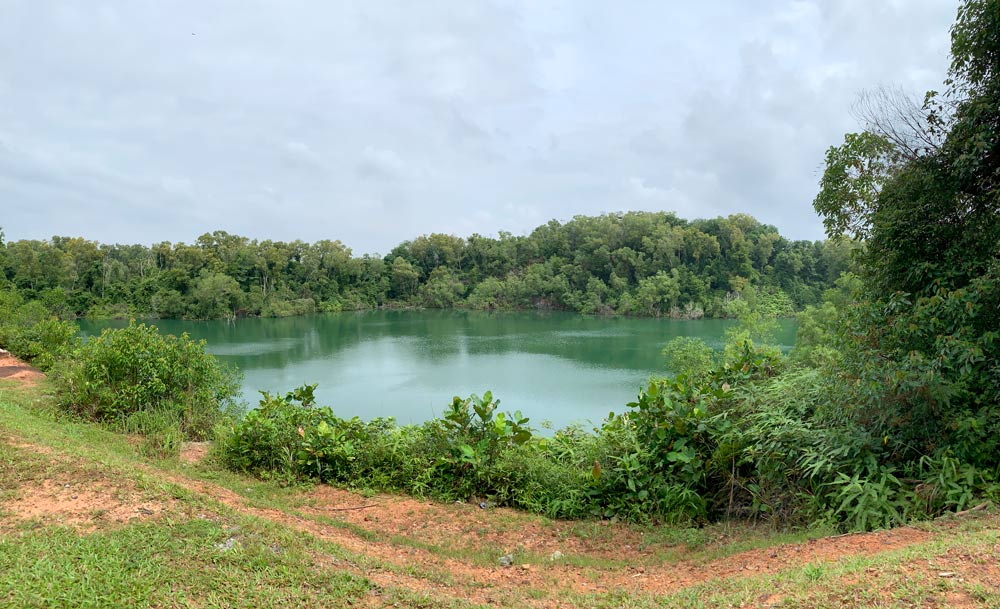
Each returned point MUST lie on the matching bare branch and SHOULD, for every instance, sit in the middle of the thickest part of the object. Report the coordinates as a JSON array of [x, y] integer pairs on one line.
[[913, 129]]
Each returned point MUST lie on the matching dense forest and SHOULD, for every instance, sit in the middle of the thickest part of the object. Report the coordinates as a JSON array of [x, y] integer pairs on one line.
[[635, 263]]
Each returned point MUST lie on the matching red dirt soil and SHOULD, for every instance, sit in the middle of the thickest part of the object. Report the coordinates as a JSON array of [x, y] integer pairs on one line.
[[85, 506], [14, 369]]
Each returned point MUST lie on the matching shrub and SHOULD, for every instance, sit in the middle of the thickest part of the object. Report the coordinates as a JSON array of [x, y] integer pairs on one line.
[[290, 437], [689, 355], [32, 333], [136, 369], [551, 477], [454, 457], [289, 308], [477, 436]]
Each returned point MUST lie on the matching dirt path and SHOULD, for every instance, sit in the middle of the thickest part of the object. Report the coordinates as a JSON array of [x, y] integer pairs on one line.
[[14, 369], [439, 526]]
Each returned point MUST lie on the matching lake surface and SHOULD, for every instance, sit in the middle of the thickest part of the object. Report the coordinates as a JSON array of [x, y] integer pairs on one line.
[[558, 367]]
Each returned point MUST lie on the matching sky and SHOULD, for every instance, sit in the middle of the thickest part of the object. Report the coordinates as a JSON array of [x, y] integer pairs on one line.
[[373, 122]]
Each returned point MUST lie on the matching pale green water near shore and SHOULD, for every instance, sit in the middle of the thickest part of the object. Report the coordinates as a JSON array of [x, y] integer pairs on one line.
[[559, 367]]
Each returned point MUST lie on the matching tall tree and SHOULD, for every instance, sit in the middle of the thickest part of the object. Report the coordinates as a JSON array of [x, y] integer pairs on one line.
[[928, 339]]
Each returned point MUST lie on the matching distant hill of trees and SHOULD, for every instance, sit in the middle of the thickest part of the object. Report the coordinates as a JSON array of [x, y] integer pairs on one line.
[[634, 263]]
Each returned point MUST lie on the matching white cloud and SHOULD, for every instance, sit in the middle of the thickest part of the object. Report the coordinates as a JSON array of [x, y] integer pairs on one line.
[[639, 189], [383, 164], [299, 155], [177, 186]]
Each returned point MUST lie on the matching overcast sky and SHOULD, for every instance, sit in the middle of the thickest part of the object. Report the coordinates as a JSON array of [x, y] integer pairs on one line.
[[139, 121]]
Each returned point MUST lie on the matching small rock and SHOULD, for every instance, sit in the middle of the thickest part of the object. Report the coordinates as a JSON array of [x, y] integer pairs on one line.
[[227, 545], [557, 555], [506, 560]]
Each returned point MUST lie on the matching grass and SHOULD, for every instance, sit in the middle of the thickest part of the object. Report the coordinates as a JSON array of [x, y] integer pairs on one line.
[[265, 545], [906, 578], [178, 560], [181, 560], [168, 564]]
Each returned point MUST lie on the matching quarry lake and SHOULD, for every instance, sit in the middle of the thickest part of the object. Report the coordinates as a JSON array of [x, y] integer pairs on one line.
[[558, 367]]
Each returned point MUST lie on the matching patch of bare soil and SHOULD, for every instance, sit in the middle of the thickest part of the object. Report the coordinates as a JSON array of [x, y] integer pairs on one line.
[[193, 452], [14, 369], [462, 526], [85, 505], [465, 525], [961, 578], [978, 567], [35, 448]]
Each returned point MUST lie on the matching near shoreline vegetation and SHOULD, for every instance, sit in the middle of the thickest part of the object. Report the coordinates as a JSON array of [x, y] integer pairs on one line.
[[887, 410]]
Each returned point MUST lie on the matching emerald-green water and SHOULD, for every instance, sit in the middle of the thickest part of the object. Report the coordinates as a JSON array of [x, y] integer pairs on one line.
[[558, 367]]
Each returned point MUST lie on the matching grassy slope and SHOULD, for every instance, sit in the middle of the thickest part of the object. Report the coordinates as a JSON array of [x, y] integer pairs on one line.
[[169, 534]]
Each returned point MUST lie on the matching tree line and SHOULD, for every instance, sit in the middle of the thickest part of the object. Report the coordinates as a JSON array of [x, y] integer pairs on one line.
[[634, 263]]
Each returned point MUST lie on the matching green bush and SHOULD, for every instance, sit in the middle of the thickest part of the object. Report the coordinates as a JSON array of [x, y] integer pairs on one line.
[[289, 308], [453, 457], [688, 355], [477, 436], [32, 333], [136, 369], [551, 477], [289, 437], [647, 465]]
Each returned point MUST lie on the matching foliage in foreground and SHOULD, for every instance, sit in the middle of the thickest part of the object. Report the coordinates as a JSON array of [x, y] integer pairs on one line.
[[206, 554], [145, 382], [752, 438], [31, 332]]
